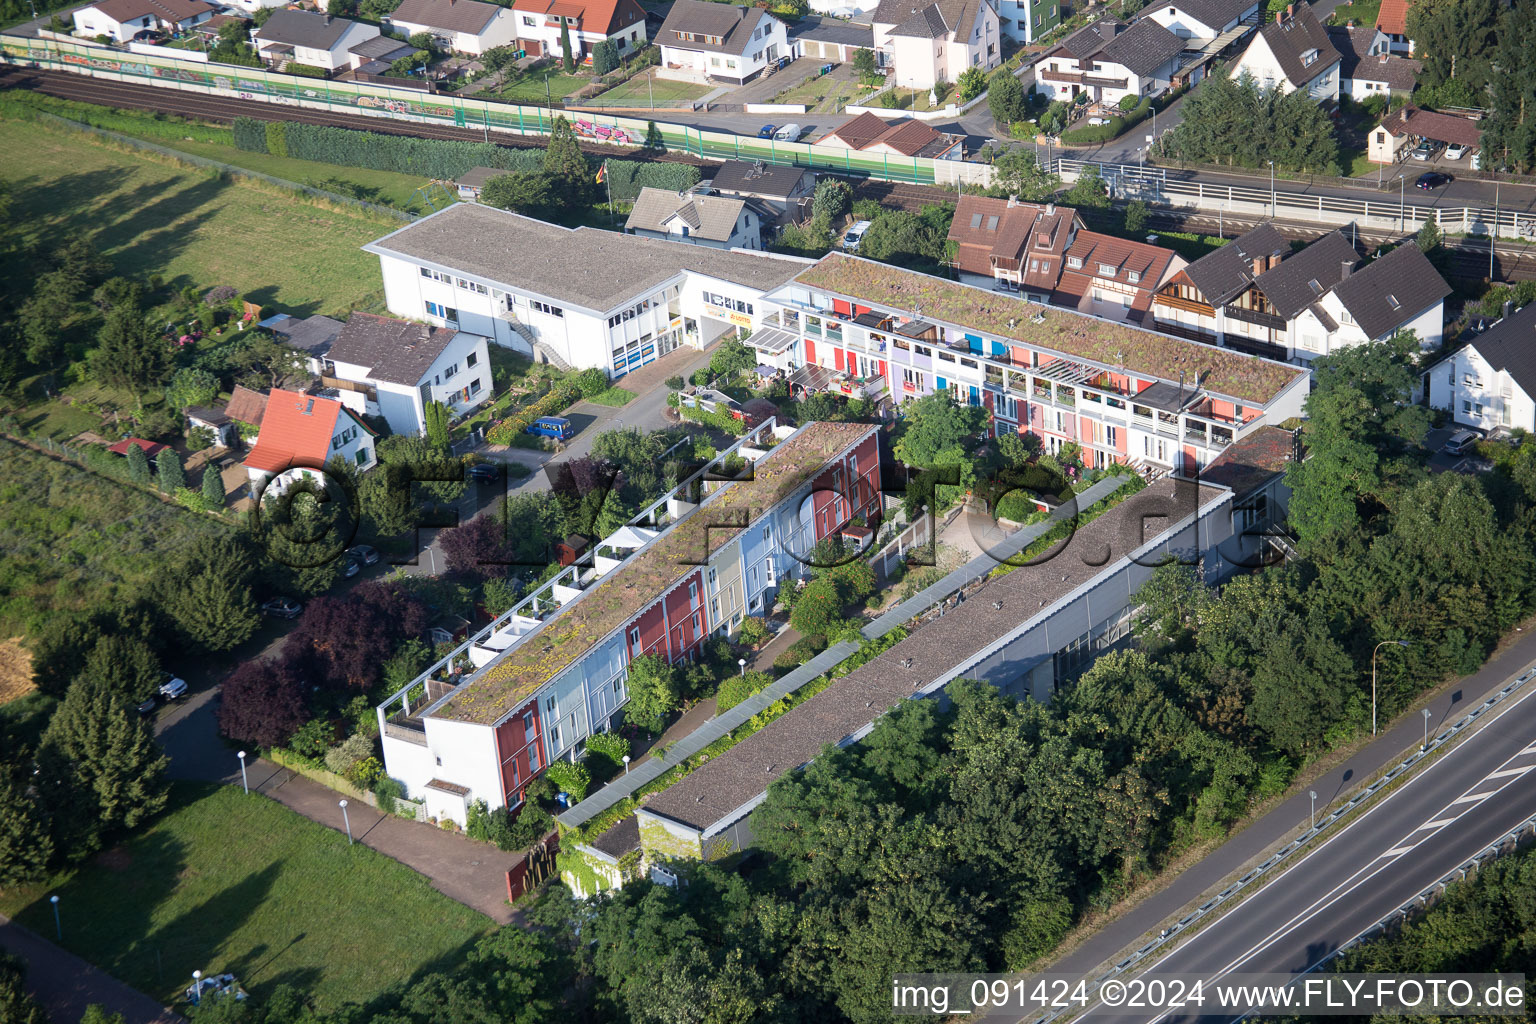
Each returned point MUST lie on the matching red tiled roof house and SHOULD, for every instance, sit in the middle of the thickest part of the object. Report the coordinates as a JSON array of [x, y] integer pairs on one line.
[[301, 433]]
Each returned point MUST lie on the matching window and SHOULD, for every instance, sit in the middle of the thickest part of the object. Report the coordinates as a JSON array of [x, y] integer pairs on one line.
[[922, 350], [1466, 406], [1075, 262], [1105, 270], [471, 359], [693, 593], [1112, 436], [364, 457], [447, 313], [452, 369], [527, 724], [474, 386], [1133, 276], [634, 638], [550, 705], [533, 759], [529, 22], [544, 307]]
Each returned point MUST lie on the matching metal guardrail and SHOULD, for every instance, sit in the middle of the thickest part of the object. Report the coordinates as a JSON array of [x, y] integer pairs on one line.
[[1277, 858]]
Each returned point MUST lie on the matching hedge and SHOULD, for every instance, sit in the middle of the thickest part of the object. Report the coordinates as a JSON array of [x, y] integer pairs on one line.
[[437, 158], [1095, 134], [559, 396]]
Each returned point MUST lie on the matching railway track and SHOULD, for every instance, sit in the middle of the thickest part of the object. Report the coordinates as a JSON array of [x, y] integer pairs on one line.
[[129, 95], [1467, 261]]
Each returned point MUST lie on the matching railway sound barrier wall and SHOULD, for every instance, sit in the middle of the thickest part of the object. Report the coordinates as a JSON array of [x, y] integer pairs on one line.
[[471, 112]]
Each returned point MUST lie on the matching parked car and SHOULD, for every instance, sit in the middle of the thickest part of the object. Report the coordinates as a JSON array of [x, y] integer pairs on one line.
[[352, 568], [789, 133], [766, 131], [282, 608], [1096, 120], [172, 687], [1433, 180], [855, 235], [1461, 442], [148, 707], [557, 427], [1424, 150], [364, 553], [1455, 151], [485, 472]]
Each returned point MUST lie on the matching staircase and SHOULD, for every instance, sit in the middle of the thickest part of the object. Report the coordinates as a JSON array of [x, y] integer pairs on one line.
[[548, 355]]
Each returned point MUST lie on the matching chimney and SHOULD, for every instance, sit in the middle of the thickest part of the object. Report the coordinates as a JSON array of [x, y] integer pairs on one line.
[[1050, 209], [1279, 17], [1509, 307], [1274, 261], [1290, 10], [327, 19], [1013, 200], [1258, 265]]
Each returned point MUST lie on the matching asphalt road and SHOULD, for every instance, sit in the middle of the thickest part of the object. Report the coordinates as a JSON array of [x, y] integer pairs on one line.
[[1444, 815]]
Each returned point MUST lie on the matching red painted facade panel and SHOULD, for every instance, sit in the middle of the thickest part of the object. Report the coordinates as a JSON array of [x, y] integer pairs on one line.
[[686, 624], [842, 306], [652, 628], [837, 358], [516, 744], [810, 352]]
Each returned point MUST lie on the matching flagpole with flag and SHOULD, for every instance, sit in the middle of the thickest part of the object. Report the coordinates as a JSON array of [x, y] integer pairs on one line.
[[602, 179]]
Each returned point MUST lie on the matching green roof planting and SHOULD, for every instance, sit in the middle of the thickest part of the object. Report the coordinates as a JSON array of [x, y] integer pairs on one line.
[[1228, 373], [505, 684]]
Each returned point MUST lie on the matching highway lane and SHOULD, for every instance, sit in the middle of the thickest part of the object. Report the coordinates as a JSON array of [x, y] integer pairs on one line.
[[1445, 814]]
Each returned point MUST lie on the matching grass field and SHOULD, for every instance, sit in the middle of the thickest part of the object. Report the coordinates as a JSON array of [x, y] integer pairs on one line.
[[71, 537], [614, 397], [641, 90], [1361, 12], [228, 882], [189, 227], [827, 94], [530, 87]]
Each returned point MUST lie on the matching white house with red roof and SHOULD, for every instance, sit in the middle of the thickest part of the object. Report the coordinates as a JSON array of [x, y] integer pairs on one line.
[[588, 23], [301, 433], [123, 19]]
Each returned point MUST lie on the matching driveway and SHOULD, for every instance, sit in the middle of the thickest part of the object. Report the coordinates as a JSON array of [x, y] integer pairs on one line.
[[763, 90]]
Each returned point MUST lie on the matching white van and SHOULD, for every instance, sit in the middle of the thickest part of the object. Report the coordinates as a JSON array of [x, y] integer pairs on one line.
[[789, 133], [854, 236]]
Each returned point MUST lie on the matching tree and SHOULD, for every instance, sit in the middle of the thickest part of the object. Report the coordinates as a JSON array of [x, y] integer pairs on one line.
[[731, 358], [478, 548], [605, 57], [565, 46], [1088, 191], [129, 353], [934, 423], [1232, 121], [915, 240], [972, 83], [864, 61], [436, 415], [1019, 173], [262, 362], [262, 703], [1005, 98], [831, 199], [125, 666], [1509, 133], [533, 193], [16, 1005], [338, 639], [653, 691], [818, 609], [567, 165], [207, 589], [1429, 236], [26, 847], [138, 464], [96, 1013], [191, 386], [423, 41], [115, 764], [1135, 217], [1457, 40], [168, 472], [653, 139], [213, 488]]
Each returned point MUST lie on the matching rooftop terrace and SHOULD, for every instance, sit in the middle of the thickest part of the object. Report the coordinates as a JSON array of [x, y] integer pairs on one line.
[[505, 684], [1247, 378]]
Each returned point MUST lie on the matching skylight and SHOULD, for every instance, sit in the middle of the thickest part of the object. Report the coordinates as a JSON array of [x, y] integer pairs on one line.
[[1392, 301]]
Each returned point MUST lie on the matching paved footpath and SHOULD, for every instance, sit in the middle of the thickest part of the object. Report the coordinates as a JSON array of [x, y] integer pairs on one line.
[[65, 984]]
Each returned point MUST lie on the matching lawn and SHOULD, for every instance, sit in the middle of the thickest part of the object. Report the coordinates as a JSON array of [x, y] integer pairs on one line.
[[531, 87], [71, 537], [916, 99], [613, 396], [189, 227], [1361, 12], [825, 94], [228, 882], [642, 89]]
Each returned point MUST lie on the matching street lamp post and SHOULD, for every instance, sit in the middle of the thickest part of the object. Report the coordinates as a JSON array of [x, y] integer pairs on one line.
[[1400, 643], [742, 664], [1313, 794], [1426, 729], [244, 782], [1271, 190], [346, 821], [58, 926], [626, 764], [197, 988], [1402, 193], [1493, 233]]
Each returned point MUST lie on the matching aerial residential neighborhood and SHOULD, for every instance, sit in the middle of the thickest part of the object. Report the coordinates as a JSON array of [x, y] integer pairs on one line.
[[652, 511]]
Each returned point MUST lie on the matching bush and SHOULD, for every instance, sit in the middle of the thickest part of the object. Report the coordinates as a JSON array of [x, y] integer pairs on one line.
[[1128, 102], [754, 631], [313, 740], [608, 745], [386, 791], [591, 382], [675, 383], [571, 778], [344, 756], [507, 431], [799, 652], [531, 825], [366, 772], [1094, 134], [738, 688]]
